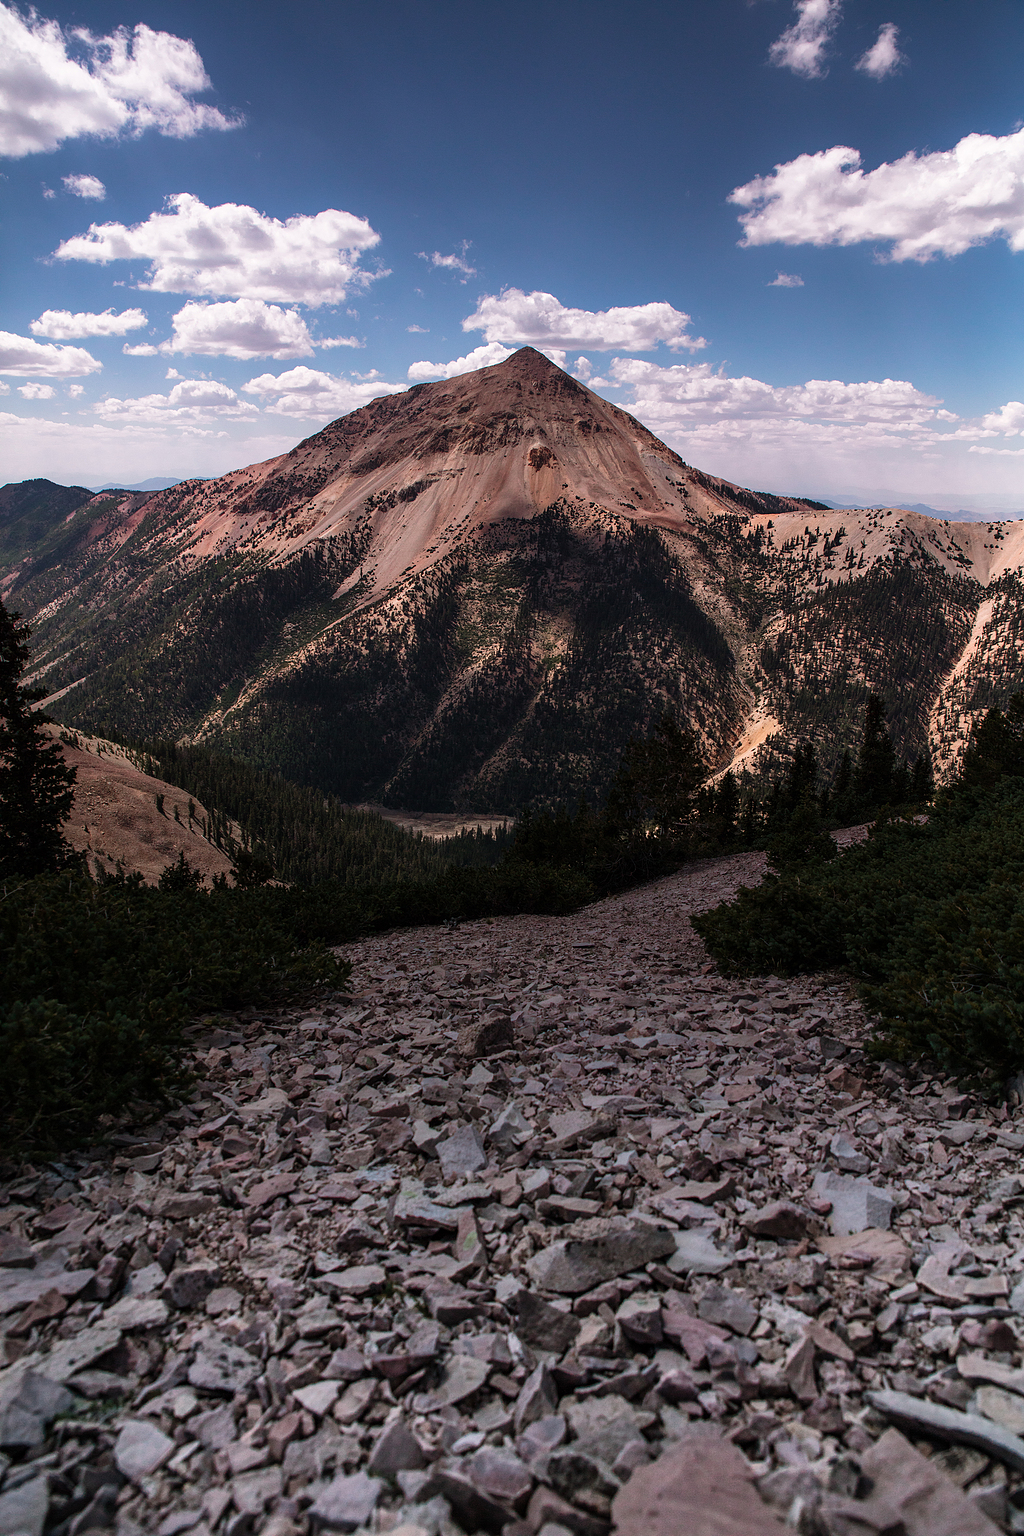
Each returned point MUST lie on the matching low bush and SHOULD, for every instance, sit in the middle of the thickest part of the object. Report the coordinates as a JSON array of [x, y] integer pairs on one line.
[[928, 916]]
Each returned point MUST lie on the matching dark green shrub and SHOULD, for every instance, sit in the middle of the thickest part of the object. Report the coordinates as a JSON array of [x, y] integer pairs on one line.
[[929, 917]]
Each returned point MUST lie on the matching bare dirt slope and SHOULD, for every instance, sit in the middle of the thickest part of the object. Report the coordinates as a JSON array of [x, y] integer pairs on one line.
[[116, 821], [369, 1280]]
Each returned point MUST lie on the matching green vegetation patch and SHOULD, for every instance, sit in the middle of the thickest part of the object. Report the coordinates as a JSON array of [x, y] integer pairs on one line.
[[928, 915]]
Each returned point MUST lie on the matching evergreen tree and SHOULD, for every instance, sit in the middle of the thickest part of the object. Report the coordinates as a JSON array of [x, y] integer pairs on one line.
[[996, 746], [802, 779], [727, 805], [656, 786], [36, 785], [922, 779], [876, 764]]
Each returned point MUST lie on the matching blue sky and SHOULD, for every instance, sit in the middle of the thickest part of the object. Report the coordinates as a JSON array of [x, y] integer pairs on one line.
[[783, 235]]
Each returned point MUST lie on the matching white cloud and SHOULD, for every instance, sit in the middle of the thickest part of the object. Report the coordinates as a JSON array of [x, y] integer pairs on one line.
[[925, 205], [36, 391], [786, 280], [339, 341], [29, 359], [192, 401], [234, 250], [56, 85], [240, 328], [480, 357], [695, 394], [451, 263], [418, 330], [884, 56], [88, 187], [307, 392], [1008, 419], [144, 349], [802, 46], [62, 325], [539, 320], [74, 390]]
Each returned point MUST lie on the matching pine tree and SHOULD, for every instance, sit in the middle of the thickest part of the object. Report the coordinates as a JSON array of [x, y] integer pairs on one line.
[[36, 785], [876, 763]]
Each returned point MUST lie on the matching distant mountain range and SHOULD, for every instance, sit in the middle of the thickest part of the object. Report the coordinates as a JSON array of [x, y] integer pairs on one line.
[[144, 485], [469, 595]]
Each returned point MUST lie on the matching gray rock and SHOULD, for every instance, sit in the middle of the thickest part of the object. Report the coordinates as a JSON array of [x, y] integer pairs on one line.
[[604, 1248], [462, 1377], [189, 1287], [847, 1156], [346, 1503], [603, 1426], [583, 1480], [639, 1317], [23, 1510], [135, 1313], [541, 1436], [415, 1209], [36, 1401], [140, 1449], [728, 1309], [510, 1129], [492, 1033], [397, 1450], [223, 1367], [462, 1152], [856, 1204], [544, 1325], [695, 1254], [214, 1429], [917, 1413], [500, 1474], [537, 1398]]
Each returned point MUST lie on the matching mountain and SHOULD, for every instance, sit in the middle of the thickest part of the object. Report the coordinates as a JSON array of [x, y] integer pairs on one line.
[[470, 594], [160, 483]]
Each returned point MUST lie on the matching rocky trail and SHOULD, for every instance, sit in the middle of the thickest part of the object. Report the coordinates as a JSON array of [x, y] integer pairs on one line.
[[546, 1228]]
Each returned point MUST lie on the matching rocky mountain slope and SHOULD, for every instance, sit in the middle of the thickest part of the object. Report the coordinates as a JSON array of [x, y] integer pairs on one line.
[[470, 594], [678, 1246]]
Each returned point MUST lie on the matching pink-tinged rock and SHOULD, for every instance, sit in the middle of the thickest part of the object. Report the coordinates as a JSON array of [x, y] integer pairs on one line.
[[780, 1219], [140, 1449], [798, 1369], [15, 1253], [701, 1487], [929, 1502], [271, 1189], [693, 1334]]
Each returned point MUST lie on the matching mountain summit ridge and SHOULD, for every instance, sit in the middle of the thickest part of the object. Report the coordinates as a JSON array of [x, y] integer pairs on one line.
[[468, 595]]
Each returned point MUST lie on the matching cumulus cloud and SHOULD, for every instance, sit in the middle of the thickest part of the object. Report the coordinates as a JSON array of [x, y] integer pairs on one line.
[[786, 280], [480, 357], [696, 394], [1008, 419], [36, 391], [29, 359], [307, 392], [234, 250], [62, 325], [240, 328], [540, 320], [451, 263], [57, 85], [940, 203], [418, 330], [802, 46], [339, 341], [191, 401], [884, 56], [88, 187], [144, 349]]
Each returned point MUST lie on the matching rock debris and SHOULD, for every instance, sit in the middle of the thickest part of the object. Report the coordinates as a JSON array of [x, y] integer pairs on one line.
[[546, 1228]]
